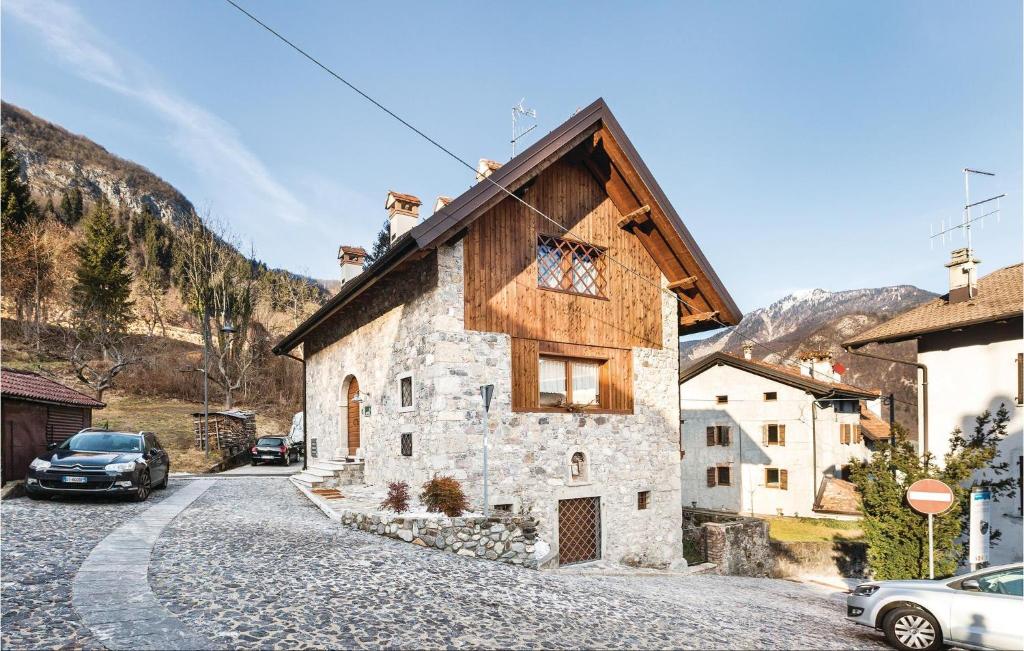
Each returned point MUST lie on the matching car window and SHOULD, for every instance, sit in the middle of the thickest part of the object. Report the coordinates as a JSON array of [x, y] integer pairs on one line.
[[103, 442], [1009, 582], [270, 442], [151, 442]]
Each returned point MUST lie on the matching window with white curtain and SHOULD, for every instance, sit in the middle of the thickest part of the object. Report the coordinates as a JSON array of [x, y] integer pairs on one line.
[[569, 382], [553, 391]]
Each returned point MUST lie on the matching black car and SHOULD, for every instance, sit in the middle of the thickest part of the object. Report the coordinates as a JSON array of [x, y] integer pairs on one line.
[[274, 448], [100, 462]]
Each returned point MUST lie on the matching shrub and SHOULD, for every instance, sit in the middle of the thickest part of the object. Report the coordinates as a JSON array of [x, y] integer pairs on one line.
[[444, 495], [398, 497]]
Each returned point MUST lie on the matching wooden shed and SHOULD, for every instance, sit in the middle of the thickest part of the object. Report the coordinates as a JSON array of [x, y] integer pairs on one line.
[[230, 431], [37, 411]]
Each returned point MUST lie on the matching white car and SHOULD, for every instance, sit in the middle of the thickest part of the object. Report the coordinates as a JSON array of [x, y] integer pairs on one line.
[[980, 610]]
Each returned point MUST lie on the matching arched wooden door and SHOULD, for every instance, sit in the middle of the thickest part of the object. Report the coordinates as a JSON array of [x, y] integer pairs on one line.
[[353, 417]]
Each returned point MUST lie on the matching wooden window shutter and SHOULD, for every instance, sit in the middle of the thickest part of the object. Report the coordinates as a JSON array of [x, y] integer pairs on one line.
[[843, 435], [712, 476], [782, 434], [1020, 378], [784, 479], [858, 435], [764, 434], [711, 437], [724, 435]]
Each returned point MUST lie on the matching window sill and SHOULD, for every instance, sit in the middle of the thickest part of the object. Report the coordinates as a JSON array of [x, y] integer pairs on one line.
[[572, 293], [563, 410], [406, 410]]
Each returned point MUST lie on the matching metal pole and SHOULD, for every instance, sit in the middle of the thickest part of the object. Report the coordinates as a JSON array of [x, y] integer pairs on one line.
[[206, 379], [486, 392], [931, 547]]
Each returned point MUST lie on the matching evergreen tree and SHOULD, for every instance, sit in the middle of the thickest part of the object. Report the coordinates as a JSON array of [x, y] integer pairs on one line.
[[71, 208], [15, 197], [380, 246], [897, 536], [103, 280]]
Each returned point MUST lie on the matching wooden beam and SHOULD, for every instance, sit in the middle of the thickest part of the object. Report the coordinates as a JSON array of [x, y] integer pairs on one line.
[[686, 283], [638, 216], [700, 317]]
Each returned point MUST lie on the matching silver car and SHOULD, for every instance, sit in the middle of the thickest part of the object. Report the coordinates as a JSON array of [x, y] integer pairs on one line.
[[980, 610]]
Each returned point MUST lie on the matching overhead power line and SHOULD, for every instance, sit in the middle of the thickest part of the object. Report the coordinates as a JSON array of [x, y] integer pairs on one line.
[[500, 187]]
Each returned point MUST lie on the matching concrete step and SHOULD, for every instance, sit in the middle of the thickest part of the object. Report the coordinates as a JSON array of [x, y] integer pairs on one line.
[[319, 472], [307, 480], [333, 464]]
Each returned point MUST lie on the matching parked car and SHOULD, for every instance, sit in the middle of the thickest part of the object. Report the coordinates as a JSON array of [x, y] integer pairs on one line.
[[274, 448], [96, 461], [980, 610]]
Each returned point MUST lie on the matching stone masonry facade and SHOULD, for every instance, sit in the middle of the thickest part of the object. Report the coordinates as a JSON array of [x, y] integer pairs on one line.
[[411, 324]]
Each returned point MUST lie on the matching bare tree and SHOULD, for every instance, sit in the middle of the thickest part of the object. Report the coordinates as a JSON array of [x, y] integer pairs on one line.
[[222, 290], [98, 355]]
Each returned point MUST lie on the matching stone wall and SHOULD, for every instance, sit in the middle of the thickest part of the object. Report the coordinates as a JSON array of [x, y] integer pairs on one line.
[[503, 539], [834, 559], [411, 324], [737, 545]]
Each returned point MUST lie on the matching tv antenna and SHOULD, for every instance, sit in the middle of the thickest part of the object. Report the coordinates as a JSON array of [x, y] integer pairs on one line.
[[966, 219], [520, 112]]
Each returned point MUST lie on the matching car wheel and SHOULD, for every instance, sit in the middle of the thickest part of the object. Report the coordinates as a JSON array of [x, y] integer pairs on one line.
[[912, 629], [143, 489], [32, 495]]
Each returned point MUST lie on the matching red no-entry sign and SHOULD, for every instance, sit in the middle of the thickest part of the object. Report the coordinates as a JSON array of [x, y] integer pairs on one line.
[[930, 496]]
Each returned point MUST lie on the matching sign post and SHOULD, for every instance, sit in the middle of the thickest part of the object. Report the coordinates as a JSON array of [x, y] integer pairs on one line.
[[981, 517], [486, 392], [930, 497]]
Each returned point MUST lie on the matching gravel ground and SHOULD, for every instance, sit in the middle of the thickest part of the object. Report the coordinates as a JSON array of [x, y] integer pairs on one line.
[[43, 544], [253, 564]]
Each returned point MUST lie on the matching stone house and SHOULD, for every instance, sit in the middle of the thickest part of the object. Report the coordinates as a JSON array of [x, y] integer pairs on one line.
[[970, 358], [767, 439], [572, 315]]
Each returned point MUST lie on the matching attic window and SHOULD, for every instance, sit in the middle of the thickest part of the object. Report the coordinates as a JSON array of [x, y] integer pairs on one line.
[[570, 266], [771, 396], [721, 400]]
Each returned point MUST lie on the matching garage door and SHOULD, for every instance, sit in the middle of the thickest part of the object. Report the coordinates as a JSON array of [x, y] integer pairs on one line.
[[579, 530]]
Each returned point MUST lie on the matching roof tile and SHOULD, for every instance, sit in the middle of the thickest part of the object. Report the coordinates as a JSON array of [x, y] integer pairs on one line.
[[26, 385]]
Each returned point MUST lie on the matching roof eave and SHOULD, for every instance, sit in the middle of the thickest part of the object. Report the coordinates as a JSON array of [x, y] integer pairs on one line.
[[914, 334]]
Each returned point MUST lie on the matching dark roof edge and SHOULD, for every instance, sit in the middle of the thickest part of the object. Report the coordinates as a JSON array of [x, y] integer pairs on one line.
[[95, 404], [809, 385], [913, 334], [396, 253]]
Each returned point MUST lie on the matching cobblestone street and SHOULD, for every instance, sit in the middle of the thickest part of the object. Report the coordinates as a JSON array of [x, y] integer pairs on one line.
[[252, 564]]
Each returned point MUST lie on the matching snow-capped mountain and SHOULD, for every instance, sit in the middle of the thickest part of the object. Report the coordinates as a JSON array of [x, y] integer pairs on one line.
[[819, 319]]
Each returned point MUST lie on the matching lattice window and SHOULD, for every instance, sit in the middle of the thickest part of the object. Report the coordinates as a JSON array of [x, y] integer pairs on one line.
[[579, 530], [406, 444], [405, 386], [570, 266]]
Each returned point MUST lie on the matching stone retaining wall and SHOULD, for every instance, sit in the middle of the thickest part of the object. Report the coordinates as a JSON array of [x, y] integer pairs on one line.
[[503, 539], [836, 559], [737, 545]]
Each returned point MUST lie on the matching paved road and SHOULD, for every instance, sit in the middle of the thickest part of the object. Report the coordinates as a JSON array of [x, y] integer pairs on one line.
[[251, 564]]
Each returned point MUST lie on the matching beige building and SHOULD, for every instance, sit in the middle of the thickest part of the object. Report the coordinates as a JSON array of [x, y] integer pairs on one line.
[[768, 439], [969, 342]]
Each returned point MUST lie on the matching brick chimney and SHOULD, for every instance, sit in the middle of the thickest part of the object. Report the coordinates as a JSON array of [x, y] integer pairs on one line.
[[748, 350], [485, 168], [351, 259], [403, 213], [818, 365], [963, 275]]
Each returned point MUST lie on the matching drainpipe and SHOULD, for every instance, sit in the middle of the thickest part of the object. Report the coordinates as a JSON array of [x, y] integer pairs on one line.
[[924, 390], [814, 442], [305, 440]]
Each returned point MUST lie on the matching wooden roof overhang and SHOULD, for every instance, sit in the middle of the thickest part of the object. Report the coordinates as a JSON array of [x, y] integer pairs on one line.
[[594, 136]]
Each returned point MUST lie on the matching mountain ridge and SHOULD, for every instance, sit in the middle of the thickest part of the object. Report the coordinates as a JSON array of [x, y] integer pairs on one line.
[[819, 319]]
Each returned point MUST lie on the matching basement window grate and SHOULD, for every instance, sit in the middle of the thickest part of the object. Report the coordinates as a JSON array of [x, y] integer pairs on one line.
[[407, 444]]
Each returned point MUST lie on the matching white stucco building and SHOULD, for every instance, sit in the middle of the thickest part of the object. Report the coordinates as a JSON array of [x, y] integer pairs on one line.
[[971, 347], [767, 439]]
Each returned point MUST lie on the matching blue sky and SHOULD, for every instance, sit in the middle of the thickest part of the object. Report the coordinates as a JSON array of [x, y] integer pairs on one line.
[[805, 144]]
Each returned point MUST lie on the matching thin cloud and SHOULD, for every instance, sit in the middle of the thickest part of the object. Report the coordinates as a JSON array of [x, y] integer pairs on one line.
[[207, 142]]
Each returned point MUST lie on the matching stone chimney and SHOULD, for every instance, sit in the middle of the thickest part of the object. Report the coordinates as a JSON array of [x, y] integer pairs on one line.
[[818, 365], [485, 168], [403, 213], [748, 350], [351, 259], [441, 202], [963, 275]]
